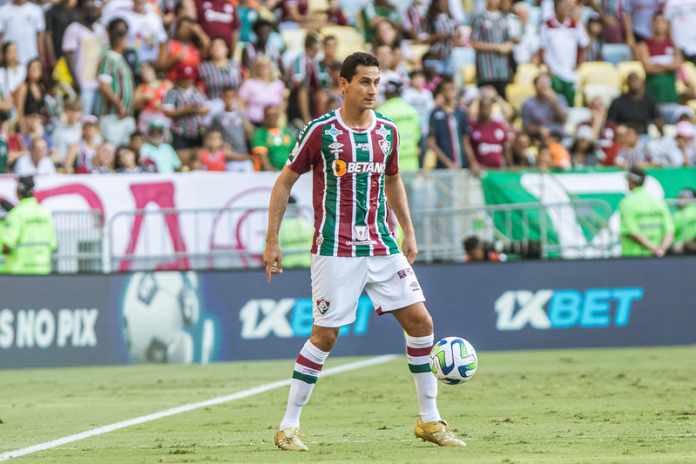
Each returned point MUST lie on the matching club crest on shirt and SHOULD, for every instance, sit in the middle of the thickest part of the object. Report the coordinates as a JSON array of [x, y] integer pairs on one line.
[[384, 144], [322, 305]]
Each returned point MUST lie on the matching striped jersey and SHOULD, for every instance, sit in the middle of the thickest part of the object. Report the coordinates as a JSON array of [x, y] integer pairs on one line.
[[350, 208]]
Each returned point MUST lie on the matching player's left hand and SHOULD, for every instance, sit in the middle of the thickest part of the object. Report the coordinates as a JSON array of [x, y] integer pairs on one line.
[[409, 248]]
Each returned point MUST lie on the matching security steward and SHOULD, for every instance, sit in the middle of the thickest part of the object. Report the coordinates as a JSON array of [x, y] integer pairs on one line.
[[27, 233]]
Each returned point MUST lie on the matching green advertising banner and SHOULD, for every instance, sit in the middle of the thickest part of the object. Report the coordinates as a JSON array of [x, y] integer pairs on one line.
[[573, 213]]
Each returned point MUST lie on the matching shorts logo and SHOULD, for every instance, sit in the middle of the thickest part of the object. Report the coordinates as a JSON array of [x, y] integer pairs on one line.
[[414, 286], [322, 306], [404, 273]]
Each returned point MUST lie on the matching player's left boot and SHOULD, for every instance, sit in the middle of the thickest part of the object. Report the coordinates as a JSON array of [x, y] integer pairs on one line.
[[289, 440], [437, 432]]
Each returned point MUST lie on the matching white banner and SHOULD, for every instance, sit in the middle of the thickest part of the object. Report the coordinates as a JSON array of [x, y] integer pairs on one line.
[[170, 240]]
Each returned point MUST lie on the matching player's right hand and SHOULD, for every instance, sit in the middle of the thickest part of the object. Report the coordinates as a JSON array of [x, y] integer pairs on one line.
[[272, 260]]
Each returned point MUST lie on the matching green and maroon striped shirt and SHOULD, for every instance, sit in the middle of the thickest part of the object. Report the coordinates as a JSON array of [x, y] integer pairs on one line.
[[350, 207]]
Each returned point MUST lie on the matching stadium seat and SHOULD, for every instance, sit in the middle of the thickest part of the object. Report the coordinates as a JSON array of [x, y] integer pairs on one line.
[[318, 6], [605, 92], [417, 52], [599, 73], [349, 39], [294, 39], [626, 68], [576, 116], [616, 53], [517, 94], [526, 73], [469, 74]]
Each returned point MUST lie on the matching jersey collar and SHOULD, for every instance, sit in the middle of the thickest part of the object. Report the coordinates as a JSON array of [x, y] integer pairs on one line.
[[345, 126]]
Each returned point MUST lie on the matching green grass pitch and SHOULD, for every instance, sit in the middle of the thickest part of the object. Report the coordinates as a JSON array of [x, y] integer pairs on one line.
[[634, 406]]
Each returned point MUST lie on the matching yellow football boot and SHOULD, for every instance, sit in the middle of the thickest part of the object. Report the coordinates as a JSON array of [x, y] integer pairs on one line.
[[438, 433], [289, 440]]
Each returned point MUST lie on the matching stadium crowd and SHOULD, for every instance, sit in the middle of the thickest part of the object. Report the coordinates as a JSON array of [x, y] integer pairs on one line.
[[168, 85]]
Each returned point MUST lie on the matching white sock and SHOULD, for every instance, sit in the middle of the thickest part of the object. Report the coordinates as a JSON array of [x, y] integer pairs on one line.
[[418, 354], [307, 367]]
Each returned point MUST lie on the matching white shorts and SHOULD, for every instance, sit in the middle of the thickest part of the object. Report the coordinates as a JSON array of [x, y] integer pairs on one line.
[[338, 282]]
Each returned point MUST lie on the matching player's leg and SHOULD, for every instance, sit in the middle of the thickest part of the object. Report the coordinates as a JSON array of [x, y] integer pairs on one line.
[[336, 286]]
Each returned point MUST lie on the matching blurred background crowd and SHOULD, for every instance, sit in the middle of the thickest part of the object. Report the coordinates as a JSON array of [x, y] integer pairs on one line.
[[173, 85]]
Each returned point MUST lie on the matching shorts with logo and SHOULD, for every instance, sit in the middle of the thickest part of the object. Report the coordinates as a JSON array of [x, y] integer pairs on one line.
[[338, 282]]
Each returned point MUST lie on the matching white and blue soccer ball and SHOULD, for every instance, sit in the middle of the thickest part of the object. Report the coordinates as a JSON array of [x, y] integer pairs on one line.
[[453, 360]]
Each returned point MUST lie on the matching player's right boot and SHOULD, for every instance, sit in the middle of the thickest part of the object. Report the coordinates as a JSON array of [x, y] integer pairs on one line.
[[289, 440], [437, 432]]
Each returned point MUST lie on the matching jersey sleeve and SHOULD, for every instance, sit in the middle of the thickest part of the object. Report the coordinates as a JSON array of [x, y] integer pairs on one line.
[[307, 150], [392, 167]]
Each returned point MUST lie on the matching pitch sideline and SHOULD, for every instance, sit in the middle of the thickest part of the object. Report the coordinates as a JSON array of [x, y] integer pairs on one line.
[[185, 408]]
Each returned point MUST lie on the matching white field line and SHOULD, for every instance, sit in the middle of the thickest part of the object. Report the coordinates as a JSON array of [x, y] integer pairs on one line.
[[185, 408]]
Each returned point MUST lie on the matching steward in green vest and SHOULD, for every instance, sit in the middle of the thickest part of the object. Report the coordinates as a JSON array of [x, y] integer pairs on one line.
[[685, 223], [646, 224], [407, 122], [27, 234], [296, 237]]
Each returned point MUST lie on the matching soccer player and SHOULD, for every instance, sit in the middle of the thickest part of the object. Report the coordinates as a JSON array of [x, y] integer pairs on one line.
[[353, 153]]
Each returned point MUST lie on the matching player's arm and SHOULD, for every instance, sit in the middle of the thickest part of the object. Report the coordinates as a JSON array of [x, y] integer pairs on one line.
[[272, 258], [398, 202]]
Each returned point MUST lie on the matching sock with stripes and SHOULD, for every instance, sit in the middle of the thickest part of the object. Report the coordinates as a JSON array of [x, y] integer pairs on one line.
[[418, 354], [307, 367]]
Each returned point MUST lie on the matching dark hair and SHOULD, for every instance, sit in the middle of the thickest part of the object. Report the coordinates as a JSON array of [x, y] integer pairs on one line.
[[5, 46], [441, 86], [350, 65], [415, 73], [228, 88], [118, 164], [471, 243], [329, 38], [136, 134], [311, 40], [28, 65], [114, 31]]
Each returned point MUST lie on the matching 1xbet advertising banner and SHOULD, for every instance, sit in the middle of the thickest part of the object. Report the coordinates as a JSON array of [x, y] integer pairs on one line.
[[188, 317]]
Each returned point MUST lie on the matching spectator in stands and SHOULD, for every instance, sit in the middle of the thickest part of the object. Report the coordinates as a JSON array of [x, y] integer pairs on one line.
[[489, 139], [646, 225], [82, 45], [521, 150], [477, 250], [335, 14], [595, 35], [157, 153], [219, 19], [444, 35], [126, 161], [146, 35], [633, 152], [303, 80], [30, 95], [638, 15], [68, 134], [149, 96], [79, 159], [294, 13], [219, 71], [407, 122], [232, 124], [682, 17], [585, 151], [545, 111], [685, 223], [661, 60], [58, 17], [328, 58], [5, 159], [493, 44], [22, 22], [685, 144], [136, 142], [526, 50], [185, 49], [103, 162], [377, 11], [185, 105], [114, 102], [212, 156], [261, 90], [634, 106], [37, 161], [561, 38], [449, 127], [560, 157], [12, 72], [266, 43], [272, 143], [421, 99]]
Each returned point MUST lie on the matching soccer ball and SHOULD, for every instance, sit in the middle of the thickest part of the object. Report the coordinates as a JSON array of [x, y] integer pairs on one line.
[[453, 360]]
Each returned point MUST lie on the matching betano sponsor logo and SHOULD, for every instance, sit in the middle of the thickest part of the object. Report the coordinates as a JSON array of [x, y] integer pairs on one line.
[[566, 308], [341, 168]]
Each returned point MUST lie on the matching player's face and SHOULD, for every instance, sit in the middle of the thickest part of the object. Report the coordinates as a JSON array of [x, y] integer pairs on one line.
[[361, 91]]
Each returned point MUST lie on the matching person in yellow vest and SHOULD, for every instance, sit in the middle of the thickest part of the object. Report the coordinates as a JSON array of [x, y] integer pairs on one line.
[[27, 234], [296, 237]]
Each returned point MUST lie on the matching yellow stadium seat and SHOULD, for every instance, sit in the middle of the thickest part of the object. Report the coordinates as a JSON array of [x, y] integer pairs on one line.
[[469, 74], [688, 73], [606, 92], [599, 73], [349, 39], [526, 73], [294, 39], [318, 6], [517, 94], [417, 51], [627, 67]]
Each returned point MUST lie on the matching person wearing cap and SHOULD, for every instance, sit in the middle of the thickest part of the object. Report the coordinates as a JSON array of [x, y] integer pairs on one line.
[[685, 223], [185, 105], [27, 234], [157, 153], [685, 144], [407, 122], [647, 228]]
